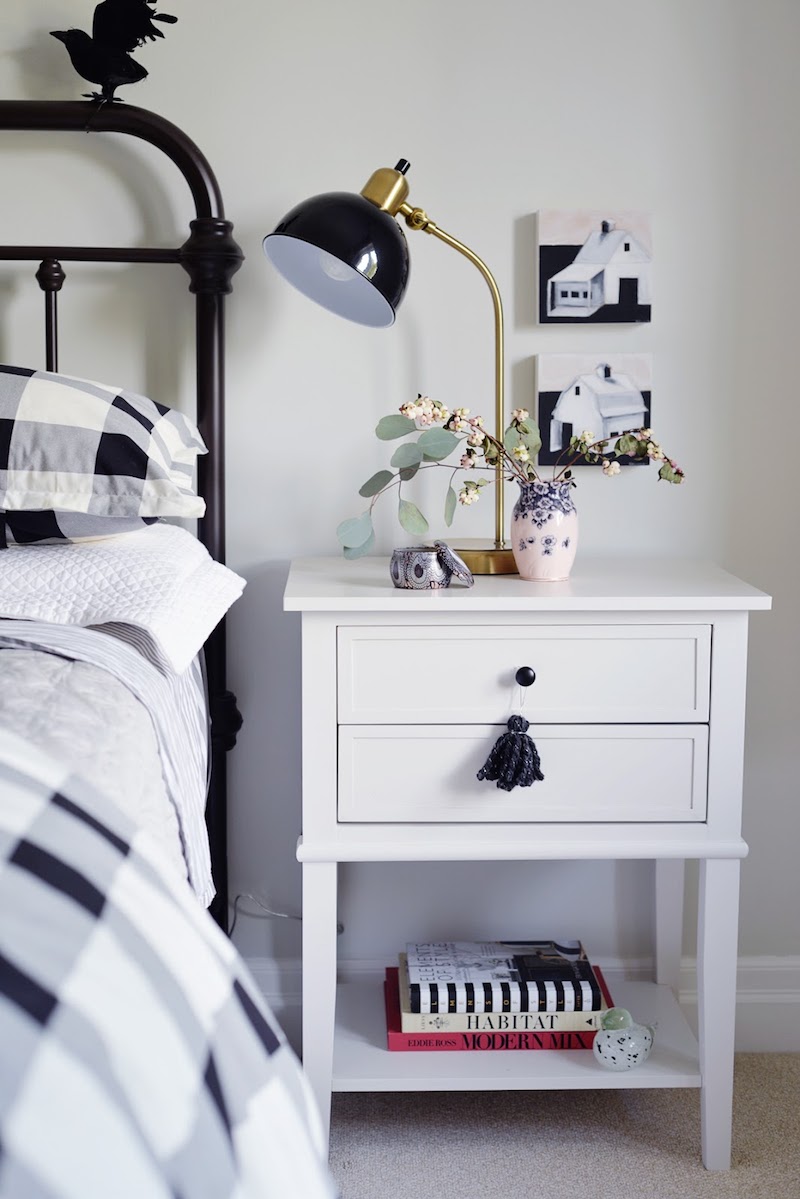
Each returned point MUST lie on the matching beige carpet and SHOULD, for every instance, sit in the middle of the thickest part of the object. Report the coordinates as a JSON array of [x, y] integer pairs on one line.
[[569, 1144]]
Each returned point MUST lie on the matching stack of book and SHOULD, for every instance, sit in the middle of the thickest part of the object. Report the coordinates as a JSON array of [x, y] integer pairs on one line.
[[476, 995]]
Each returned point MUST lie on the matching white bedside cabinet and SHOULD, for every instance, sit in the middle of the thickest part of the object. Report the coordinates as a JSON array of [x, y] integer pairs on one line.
[[635, 658]]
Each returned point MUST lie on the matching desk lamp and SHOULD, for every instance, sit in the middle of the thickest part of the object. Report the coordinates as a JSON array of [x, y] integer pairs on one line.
[[348, 253]]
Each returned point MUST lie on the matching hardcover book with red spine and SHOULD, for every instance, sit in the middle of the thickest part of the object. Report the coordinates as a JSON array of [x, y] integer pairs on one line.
[[397, 1040]]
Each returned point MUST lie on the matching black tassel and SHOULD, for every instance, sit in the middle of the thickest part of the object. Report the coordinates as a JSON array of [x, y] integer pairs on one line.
[[514, 760]]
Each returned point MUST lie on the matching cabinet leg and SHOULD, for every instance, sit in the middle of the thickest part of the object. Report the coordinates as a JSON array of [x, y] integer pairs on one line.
[[669, 920], [717, 929], [319, 981]]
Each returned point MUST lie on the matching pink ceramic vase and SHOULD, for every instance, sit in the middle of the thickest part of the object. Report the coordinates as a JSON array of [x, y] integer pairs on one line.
[[544, 531]]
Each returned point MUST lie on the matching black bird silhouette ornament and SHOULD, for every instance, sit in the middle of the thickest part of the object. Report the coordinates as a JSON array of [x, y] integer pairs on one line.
[[119, 27]]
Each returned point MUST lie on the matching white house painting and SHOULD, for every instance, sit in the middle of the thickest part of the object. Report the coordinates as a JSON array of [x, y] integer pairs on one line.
[[594, 266], [606, 394]]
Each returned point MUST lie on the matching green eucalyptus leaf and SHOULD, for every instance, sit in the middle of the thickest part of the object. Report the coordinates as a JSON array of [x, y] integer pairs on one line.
[[391, 427], [408, 472], [358, 551], [627, 444], [437, 443], [356, 531], [532, 441], [528, 425], [412, 519], [406, 455], [449, 506], [511, 438], [377, 483]]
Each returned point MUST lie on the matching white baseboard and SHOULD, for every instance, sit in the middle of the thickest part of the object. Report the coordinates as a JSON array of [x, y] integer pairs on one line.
[[767, 994], [767, 1003]]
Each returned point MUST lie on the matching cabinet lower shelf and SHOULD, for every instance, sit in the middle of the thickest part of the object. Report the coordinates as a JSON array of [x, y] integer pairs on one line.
[[361, 1061]]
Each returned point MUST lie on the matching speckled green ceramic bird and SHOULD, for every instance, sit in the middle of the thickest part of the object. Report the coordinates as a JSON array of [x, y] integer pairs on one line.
[[621, 1044]]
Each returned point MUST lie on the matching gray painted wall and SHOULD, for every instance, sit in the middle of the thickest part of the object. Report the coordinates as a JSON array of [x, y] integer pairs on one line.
[[696, 122]]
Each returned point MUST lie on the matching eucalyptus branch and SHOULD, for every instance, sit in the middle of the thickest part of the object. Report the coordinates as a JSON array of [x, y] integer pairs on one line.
[[517, 469], [439, 433], [632, 443], [397, 481], [558, 474], [509, 463]]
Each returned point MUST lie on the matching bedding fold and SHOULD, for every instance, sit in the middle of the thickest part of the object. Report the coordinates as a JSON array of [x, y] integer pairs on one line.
[[174, 703]]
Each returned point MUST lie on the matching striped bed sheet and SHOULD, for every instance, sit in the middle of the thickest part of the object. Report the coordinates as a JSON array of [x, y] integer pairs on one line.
[[176, 708], [137, 1057]]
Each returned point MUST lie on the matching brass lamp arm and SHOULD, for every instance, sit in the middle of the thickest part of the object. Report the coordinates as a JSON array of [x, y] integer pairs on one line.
[[417, 218]]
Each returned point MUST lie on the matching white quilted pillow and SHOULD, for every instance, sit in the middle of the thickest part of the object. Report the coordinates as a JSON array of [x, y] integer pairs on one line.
[[161, 579]]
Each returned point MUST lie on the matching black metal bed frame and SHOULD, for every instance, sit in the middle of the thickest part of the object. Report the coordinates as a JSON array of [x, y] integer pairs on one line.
[[211, 257]]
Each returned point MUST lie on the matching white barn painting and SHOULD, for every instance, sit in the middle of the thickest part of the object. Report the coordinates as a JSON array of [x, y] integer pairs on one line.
[[606, 394], [594, 267]]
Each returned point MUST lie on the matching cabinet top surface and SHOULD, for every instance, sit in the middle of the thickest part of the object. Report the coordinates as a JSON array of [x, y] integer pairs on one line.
[[601, 584]]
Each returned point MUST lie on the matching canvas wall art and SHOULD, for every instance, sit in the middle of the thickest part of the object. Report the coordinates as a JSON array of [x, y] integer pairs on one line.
[[594, 267], [606, 394]]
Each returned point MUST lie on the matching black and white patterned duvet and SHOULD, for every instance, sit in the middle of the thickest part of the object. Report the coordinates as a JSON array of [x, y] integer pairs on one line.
[[137, 1059]]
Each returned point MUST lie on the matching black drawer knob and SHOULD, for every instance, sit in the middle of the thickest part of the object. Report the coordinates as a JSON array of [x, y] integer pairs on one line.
[[525, 676]]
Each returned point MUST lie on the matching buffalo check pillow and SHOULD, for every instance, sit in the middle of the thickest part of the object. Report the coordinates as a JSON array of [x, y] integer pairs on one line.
[[73, 446], [50, 528]]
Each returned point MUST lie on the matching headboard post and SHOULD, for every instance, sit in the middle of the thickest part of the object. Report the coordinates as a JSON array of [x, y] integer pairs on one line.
[[50, 277], [211, 257]]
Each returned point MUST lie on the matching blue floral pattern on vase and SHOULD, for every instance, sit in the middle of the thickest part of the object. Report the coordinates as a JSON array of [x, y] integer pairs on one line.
[[544, 530]]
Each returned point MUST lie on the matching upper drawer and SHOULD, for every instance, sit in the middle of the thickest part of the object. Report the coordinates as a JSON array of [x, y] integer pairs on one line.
[[446, 674]]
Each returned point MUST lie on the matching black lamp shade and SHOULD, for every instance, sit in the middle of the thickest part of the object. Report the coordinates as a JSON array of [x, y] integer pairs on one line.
[[344, 252]]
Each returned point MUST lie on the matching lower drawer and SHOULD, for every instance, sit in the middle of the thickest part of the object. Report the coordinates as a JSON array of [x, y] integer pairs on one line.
[[418, 774]]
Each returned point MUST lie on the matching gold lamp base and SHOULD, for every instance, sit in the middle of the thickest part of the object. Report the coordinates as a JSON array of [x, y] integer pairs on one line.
[[487, 557]]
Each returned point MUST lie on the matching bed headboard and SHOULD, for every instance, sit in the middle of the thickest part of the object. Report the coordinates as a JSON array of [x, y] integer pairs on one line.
[[211, 257]]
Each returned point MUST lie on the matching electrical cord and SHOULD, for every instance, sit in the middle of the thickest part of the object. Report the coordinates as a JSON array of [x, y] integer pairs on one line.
[[267, 910]]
